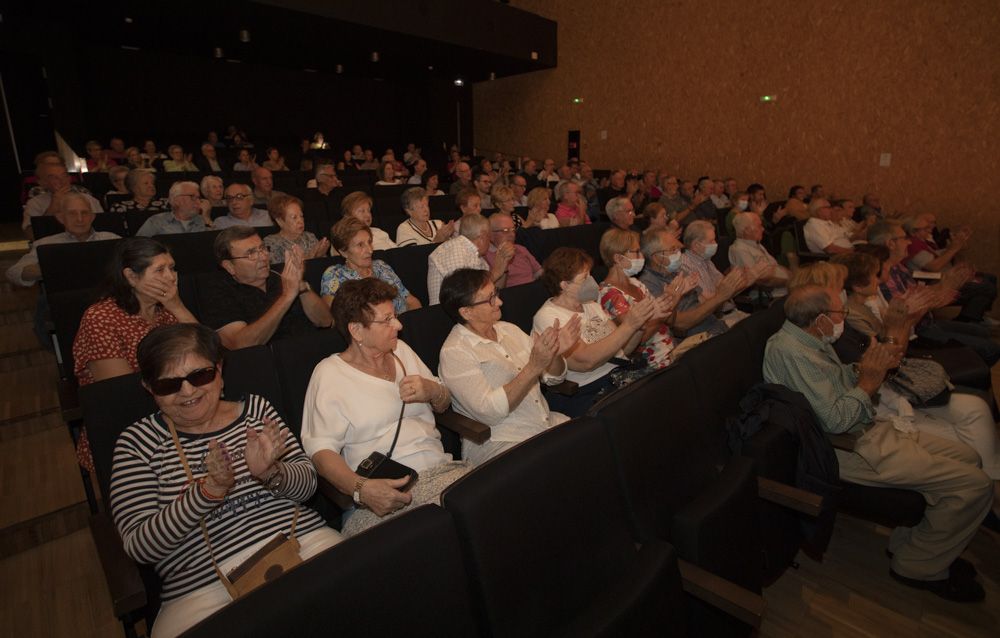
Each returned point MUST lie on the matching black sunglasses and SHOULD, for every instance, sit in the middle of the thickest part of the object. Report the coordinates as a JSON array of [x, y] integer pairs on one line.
[[172, 385]]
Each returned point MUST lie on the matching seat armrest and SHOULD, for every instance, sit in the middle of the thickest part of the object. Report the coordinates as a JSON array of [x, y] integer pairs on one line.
[[128, 593], [468, 429], [789, 496], [844, 442], [738, 602], [566, 388], [335, 496]]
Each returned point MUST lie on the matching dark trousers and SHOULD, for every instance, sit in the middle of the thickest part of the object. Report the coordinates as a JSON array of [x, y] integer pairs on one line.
[[977, 297]]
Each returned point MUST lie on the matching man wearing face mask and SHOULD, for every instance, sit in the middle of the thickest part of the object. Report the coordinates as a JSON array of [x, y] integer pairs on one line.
[[885, 453], [746, 252], [663, 272], [701, 244]]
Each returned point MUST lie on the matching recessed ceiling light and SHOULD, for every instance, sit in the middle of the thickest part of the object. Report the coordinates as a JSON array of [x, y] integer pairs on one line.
[[128, 20], [340, 68], [459, 82], [218, 53]]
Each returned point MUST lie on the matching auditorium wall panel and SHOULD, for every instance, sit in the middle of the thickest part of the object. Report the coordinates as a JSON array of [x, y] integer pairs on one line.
[[677, 85]]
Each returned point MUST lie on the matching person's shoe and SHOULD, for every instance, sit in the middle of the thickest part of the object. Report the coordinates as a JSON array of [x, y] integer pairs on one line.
[[960, 566], [956, 588]]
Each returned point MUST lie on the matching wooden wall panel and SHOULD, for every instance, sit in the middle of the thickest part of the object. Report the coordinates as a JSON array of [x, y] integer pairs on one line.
[[677, 85]]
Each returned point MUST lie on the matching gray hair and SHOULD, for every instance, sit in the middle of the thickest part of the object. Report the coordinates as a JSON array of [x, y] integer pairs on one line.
[[473, 226], [651, 241], [881, 232], [743, 221], [805, 303], [561, 188], [615, 206], [117, 170], [175, 190], [411, 196], [320, 166], [697, 231], [208, 179], [909, 224], [71, 196], [133, 177]]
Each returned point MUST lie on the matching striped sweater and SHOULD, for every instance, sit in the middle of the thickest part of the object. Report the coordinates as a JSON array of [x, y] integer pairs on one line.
[[157, 514]]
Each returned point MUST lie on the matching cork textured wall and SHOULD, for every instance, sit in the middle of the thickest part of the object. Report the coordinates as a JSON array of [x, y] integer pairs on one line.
[[677, 85]]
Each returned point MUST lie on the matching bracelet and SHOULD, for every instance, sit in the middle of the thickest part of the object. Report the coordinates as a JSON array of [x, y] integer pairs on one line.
[[204, 491], [441, 395], [357, 491]]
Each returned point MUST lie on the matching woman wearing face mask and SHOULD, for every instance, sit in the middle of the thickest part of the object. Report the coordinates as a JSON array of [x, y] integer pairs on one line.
[[620, 290], [741, 204], [566, 275]]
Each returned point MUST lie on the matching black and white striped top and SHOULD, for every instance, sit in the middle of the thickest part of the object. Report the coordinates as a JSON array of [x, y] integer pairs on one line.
[[157, 513]]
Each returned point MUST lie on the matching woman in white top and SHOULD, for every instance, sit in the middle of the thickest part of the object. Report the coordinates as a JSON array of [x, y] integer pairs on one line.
[[566, 275], [386, 174], [359, 205], [430, 184], [538, 210], [358, 399], [420, 229], [492, 367]]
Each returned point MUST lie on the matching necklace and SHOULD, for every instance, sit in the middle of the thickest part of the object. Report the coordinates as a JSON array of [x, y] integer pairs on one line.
[[375, 371]]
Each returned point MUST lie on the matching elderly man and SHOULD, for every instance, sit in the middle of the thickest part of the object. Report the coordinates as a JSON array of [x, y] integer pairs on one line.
[[467, 249], [621, 212], [891, 235], [184, 215], [239, 199], [519, 186], [325, 199], [248, 305], [871, 207], [719, 196], [209, 161], [463, 178], [703, 206], [663, 272], [419, 168], [615, 188], [843, 398], [672, 199], [77, 218], [746, 252], [523, 268], [263, 187], [483, 182], [822, 233], [55, 184], [548, 176]]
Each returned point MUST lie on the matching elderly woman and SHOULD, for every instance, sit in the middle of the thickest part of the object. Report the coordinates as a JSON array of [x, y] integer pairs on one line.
[[287, 212], [420, 229], [98, 160], [539, 200], [430, 184], [140, 293], [492, 368], [620, 290], [353, 240], [395, 419], [212, 190], [178, 162], [503, 200], [141, 182], [150, 154], [117, 176], [245, 161], [205, 481], [134, 159], [274, 161], [575, 293], [359, 206], [386, 174]]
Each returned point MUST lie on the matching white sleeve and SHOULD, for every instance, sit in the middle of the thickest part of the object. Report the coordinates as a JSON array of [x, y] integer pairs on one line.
[[324, 425], [14, 272], [475, 397], [405, 236]]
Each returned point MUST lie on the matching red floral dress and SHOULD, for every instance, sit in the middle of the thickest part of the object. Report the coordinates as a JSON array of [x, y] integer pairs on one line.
[[655, 350]]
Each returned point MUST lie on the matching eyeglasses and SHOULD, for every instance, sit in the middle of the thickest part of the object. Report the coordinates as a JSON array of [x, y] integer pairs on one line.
[[504, 230], [490, 300], [238, 198], [388, 320], [255, 253], [192, 196], [172, 385]]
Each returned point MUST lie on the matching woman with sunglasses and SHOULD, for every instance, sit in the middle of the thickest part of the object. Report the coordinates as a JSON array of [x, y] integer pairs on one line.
[[493, 368], [202, 466], [376, 396], [140, 293]]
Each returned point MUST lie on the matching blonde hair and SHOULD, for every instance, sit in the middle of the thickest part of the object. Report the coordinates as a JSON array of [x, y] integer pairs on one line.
[[615, 242], [820, 273]]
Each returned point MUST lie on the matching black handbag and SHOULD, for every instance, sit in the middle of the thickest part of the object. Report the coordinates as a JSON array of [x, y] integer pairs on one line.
[[381, 466]]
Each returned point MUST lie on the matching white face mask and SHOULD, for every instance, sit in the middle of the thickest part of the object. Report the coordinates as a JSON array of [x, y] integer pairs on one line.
[[743, 204], [838, 331], [635, 266], [710, 250], [675, 262]]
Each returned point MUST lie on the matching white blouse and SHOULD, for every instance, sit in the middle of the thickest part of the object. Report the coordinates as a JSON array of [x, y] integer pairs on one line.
[[595, 324]]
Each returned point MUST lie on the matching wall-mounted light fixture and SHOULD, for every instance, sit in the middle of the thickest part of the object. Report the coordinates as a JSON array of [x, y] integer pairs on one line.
[[244, 35]]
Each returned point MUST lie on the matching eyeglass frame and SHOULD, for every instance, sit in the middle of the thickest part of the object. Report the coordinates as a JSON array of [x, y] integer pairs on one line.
[[239, 197], [210, 372], [490, 300], [254, 253]]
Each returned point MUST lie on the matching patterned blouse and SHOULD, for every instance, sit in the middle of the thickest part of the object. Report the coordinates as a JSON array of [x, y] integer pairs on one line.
[[278, 245], [339, 273], [157, 205], [655, 350], [108, 332]]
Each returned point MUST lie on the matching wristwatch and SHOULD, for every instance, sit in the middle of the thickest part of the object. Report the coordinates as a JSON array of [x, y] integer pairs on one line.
[[275, 478], [304, 287], [357, 492]]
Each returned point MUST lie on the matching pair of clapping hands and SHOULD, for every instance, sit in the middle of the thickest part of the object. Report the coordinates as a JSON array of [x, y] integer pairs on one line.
[[554, 341], [262, 452]]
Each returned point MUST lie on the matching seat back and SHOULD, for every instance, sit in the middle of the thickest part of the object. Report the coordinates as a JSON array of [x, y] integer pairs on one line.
[[315, 268], [723, 369], [520, 303], [45, 225], [192, 252], [252, 371], [425, 330], [527, 519], [294, 360], [66, 309], [442, 206], [68, 267], [410, 563], [541, 243], [410, 263]]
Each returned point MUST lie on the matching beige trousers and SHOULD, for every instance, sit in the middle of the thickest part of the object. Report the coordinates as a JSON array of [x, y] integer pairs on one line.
[[946, 473]]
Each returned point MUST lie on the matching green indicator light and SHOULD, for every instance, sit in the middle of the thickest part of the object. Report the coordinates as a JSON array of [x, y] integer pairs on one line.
[[578, 100], [768, 98]]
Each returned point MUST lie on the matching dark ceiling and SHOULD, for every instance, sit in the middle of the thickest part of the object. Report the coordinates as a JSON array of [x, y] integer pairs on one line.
[[443, 38]]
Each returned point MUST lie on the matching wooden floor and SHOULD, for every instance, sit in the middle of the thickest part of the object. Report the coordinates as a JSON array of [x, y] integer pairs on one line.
[[52, 584]]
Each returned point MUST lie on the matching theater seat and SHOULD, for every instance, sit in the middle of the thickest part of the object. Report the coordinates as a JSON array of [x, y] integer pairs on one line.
[[520, 303], [404, 577], [294, 360], [543, 531], [75, 266], [252, 371], [410, 263]]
